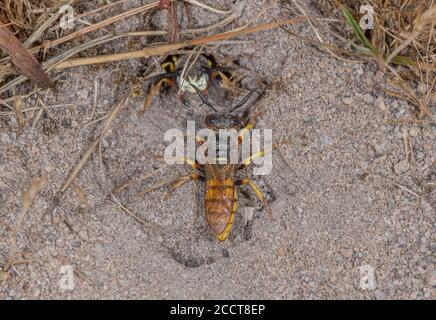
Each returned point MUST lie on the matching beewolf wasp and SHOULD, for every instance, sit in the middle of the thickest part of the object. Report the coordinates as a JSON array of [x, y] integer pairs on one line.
[[220, 197]]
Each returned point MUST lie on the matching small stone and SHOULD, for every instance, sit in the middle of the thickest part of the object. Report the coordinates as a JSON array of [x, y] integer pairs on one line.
[[401, 167], [348, 101], [431, 280], [413, 132], [347, 252], [383, 147], [37, 293], [83, 94], [56, 219], [83, 235], [380, 102], [379, 295], [324, 140], [368, 98], [4, 276]]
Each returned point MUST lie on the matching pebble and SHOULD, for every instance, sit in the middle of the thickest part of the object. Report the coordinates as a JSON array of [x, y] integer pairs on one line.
[[4, 276], [368, 98], [348, 101], [413, 132], [401, 167], [380, 102], [383, 147], [324, 140], [432, 278], [420, 155], [347, 252]]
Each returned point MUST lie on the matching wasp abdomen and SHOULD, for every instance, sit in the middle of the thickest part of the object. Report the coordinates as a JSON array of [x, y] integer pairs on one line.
[[220, 206]]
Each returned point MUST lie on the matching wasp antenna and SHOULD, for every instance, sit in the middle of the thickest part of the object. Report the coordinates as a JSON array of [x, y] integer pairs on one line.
[[244, 100], [203, 98]]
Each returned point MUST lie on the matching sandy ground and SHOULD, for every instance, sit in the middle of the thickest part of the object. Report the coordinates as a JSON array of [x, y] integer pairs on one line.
[[349, 197]]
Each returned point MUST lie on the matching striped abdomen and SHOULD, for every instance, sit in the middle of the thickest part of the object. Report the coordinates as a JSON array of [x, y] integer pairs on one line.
[[220, 205]]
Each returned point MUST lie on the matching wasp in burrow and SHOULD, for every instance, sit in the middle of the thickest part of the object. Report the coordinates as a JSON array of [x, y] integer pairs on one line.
[[220, 197], [200, 74]]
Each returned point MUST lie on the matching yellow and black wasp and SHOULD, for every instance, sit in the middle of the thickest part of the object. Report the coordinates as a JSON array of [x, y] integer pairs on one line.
[[199, 74], [220, 197]]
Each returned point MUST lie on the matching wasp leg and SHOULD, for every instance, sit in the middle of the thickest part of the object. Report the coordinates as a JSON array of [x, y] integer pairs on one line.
[[259, 154], [195, 165], [199, 139], [182, 98], [154, 90], [247, 161], [222, 73], [181, 181], [247, 127], [257, 191]]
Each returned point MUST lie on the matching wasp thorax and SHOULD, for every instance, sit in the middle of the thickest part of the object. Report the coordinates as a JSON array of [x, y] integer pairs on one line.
[[222, 121]]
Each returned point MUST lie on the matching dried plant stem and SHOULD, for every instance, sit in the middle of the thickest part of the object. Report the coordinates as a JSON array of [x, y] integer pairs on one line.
[[22, 59], [47, 23], [165, 48], [99, 25], [420, 23], [206, 7]]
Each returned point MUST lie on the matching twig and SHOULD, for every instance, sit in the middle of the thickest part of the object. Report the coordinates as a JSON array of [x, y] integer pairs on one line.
[[28, 196], [23, 60], [44, 26], [107, 38], [202, 5], [94, 104], [173, 23], [134, 216], [51, 63], [100, 24], [165, 48]]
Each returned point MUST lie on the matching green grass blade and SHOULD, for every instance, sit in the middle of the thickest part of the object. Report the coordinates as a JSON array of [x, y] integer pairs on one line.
[[404, 61], [356, 28]]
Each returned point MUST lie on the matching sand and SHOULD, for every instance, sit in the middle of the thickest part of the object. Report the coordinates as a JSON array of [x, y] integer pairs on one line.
[[353, 216]]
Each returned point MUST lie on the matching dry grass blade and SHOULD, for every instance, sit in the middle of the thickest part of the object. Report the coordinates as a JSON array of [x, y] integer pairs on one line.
[[56, 13], [173, 23], [19, 113], [88, 153], [165, 48], [99, 25], [51, 63], [22, 59], [206, 7], [28, 196], [393, 33], [428, 17]]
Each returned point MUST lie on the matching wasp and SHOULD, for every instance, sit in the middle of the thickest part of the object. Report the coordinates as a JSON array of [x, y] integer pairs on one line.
[[199, 74], [220, 196]]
